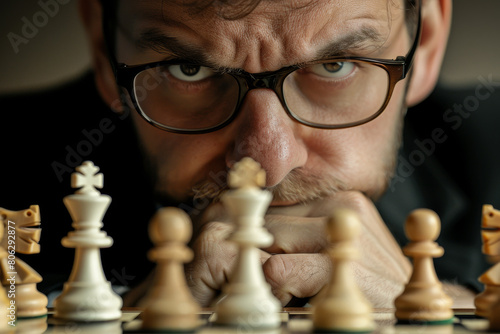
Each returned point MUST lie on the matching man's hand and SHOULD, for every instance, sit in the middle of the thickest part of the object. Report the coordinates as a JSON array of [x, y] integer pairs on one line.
[[214, 257], [299, 269], [294, 265]]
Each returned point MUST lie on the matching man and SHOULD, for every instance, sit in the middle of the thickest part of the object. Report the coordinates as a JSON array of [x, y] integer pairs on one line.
[[309, 170], [202, 99]]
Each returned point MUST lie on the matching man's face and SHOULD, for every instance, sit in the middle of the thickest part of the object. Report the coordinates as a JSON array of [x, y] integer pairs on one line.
[[274, 35]]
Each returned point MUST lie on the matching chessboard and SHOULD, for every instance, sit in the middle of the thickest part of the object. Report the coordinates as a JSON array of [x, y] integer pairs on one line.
[[293, 321], [88, 304]]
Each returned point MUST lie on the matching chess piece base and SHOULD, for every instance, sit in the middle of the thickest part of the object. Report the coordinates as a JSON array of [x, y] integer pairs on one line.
[[251, 310], [169, 315], [486, 299], [425, 322], [333, 315], [424, 305], [494, 317], [29, 301], [32, 325], [87, 302]]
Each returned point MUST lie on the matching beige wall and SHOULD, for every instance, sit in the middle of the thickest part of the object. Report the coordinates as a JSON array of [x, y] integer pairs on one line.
[[58, 50], [474, 45]]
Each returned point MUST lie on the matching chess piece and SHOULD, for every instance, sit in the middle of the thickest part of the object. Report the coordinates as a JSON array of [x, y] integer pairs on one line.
[[87, 296], [343, 307], [21, 235], [33, 325], [423, 299], [491, 247], [494, 317], [248, 301], [169, 303]]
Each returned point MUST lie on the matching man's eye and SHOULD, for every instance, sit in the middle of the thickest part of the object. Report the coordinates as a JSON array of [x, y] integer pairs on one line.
[[190, 72], [333, 70]]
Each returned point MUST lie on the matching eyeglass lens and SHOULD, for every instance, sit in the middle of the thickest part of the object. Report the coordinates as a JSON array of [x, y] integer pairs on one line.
[[195, 97]]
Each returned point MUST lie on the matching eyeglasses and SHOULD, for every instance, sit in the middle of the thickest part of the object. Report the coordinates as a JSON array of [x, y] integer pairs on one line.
[[340, 92]]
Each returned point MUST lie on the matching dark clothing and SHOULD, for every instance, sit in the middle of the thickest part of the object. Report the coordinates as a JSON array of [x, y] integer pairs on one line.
[[45, 135], [448, 163]]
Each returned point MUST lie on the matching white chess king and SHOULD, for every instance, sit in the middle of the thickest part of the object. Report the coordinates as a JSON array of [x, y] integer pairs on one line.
[[87, 296]]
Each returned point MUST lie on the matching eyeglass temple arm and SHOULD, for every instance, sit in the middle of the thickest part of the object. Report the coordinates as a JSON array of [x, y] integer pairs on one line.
[[408, 59]]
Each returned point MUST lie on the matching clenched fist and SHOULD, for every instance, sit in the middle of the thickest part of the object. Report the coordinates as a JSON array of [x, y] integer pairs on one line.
[[295, 265]]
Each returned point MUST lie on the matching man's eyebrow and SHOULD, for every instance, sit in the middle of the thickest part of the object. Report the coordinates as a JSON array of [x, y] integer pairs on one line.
[[366, 38], [347, 45], [156, 40]]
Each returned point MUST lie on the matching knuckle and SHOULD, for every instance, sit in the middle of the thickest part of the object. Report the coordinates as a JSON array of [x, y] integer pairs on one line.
[[216, 227], [276, 271], [301, 276], [214, 212], [214, 258], [210, 235], [355, 197], [353, 200]]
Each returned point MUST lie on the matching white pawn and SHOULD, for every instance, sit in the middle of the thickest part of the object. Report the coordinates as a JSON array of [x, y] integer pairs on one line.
[[343, 307], [169, 304], [248, 302], [87, 296], [423, 299]]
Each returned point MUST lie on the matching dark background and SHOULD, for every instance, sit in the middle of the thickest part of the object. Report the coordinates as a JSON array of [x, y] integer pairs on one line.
[[58, 50]]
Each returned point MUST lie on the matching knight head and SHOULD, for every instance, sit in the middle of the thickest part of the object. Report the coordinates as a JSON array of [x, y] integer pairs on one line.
[[22, 227]]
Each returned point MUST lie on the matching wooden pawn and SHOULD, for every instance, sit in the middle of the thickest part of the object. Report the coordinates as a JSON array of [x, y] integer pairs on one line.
[[423, 299], [169, 303], [343, 308]]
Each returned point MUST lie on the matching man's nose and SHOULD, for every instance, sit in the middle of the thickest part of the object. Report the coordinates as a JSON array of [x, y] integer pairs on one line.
[[268, 135]]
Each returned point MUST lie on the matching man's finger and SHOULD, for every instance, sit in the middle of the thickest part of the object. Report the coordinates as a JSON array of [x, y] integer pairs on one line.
[[297, 235], [297, 275], [308, 234], [214, 261]]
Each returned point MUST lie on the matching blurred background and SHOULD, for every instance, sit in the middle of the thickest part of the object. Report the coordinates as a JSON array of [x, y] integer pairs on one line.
[[56, 47]]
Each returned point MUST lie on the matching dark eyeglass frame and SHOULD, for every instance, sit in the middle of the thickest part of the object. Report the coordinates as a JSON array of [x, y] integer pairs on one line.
[[397, 70]]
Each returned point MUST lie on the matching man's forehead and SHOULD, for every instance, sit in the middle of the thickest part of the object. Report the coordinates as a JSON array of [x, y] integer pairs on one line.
[[301, 28]]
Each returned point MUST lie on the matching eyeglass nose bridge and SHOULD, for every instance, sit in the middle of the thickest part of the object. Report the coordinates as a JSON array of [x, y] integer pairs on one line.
[[269, 80], [259, 81]]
